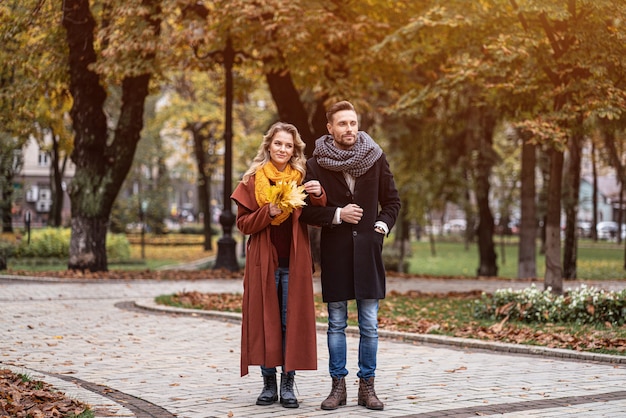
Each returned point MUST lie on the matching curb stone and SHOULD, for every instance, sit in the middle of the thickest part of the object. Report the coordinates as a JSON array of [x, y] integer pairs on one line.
[[462, 343]]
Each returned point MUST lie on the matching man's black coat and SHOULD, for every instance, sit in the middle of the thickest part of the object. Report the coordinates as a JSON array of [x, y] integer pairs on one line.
[[351, 255]]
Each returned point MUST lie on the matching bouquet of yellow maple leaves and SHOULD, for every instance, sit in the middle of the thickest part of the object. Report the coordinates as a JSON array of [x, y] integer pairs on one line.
[[287, 195]]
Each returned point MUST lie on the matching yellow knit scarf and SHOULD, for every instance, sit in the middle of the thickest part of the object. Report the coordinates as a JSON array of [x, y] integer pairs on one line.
[[269, 173]]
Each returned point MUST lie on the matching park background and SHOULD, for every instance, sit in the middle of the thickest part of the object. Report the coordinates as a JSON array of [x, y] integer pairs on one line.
[[507, 116]]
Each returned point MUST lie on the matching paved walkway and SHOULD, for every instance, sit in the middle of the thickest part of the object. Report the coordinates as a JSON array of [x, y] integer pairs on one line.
[[101, 343]]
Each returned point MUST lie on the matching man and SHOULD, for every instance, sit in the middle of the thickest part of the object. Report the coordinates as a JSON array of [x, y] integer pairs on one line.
[[362, 206]]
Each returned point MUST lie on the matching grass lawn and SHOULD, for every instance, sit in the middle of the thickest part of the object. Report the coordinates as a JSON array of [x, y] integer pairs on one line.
[[596, 261], [157, 251], [450, 257]]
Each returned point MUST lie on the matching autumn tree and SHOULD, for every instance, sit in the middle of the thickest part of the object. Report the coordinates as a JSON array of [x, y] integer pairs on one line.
[[580, 52], [10, 166], [129, 36], [452, 88], [327, 63], [330, 61], [30, 76], [194, 113], [526, 63]]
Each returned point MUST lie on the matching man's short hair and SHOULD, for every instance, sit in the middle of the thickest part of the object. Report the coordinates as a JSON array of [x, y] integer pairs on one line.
[[338, 107]]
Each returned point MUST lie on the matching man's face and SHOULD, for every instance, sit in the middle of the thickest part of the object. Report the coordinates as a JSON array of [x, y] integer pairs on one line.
[[343, 128]]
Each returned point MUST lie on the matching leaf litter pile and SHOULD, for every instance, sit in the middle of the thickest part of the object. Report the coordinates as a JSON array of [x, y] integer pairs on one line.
[[160, 275], [20, 397]]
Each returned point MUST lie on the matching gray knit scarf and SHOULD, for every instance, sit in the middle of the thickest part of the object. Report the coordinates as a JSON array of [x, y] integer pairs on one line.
[[356, 161]]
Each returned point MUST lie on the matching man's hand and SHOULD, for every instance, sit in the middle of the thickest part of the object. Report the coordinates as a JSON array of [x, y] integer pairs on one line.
[[351, 213]]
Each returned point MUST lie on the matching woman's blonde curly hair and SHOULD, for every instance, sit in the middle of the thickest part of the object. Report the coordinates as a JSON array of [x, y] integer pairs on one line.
[[298, 159]]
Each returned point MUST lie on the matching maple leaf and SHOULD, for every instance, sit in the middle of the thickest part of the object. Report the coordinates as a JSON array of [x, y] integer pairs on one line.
[[287, 195]]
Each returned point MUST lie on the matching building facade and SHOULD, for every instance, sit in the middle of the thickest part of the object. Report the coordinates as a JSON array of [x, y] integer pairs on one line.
[[33, 195]]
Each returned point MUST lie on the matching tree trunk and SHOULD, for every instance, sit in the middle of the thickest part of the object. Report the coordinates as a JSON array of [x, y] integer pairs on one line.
[[527, 262], [201, 146], [101, 167], [432, 242], [401, 243], [553, 278], [56, 180], [486, 246], [620, 214], [318, 121], [470, 216], [594, 193], [87, 247], [488, 266], [206, 226], [608, 134], [5, 206], [10, 164], [572, 196], [543, 161], [289, 105]]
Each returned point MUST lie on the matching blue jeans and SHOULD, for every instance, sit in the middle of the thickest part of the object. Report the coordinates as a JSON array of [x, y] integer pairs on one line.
[[368, 341], [282, 287]]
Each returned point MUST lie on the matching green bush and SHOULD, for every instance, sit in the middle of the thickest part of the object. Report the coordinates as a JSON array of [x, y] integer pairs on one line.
[[118, 247], [45, 242], [7, 249], [55, 243], [583, 305], [193, 229]]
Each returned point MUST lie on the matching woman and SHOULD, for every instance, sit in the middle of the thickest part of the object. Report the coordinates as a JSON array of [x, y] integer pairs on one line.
[[278, 324]]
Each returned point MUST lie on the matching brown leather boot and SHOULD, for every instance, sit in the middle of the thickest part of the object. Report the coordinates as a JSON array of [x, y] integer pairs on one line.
[[367, 395], [337, 395]]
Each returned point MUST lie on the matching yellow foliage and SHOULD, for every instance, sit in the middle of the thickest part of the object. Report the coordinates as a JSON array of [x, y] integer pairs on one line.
[[287, 195]]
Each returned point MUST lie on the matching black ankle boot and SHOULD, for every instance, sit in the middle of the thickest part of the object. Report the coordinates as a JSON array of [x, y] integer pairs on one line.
[[287, 397], [269, 395]]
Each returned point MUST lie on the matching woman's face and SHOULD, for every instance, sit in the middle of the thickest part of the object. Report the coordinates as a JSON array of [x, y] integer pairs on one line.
[[281, 149]]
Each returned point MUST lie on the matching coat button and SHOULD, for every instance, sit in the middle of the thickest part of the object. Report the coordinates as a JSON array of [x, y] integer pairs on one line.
[[347, 194], [354, 233]]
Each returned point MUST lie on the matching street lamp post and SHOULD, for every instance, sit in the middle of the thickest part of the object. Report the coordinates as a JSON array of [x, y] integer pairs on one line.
[[226, 245]]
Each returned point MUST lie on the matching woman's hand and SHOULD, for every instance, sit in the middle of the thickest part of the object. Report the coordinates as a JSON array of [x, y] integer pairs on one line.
[[313, 187], [274, 210]]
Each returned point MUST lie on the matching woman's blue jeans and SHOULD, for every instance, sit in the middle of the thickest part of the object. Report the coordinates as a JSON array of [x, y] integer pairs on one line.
[[282, 287], [368, 341]]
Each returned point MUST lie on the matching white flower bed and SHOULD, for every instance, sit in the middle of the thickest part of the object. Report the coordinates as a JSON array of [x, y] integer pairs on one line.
[[583, 305]]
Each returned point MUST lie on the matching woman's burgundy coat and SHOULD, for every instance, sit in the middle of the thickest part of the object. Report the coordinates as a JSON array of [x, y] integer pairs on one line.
[[261, 329], [351, 255]]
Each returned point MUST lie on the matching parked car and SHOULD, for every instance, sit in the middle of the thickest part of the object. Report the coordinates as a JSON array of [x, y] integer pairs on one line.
[[608, 230], [455, 226]]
